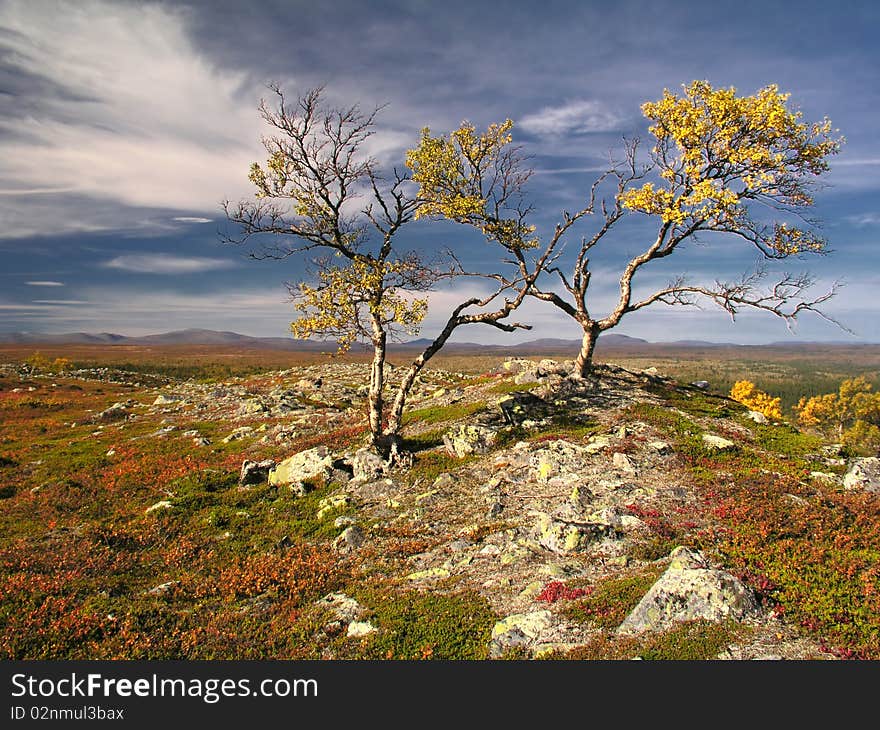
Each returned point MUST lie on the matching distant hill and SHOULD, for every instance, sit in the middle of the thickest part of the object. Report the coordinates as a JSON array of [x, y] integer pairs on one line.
[[544, 345]]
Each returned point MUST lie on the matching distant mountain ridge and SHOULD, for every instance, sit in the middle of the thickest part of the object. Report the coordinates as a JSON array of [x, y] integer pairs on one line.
[[196, 336]]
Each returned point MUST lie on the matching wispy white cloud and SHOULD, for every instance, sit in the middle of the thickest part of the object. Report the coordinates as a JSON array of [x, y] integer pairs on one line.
[[126, 108], [166, 264], [864, 219], [191, 219], [60, 302], [574, 117], [44, 283]]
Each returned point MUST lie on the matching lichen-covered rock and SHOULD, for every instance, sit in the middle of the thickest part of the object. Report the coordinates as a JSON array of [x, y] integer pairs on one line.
[[757, 417], [309, 464], [367, 465], [331, 504], [469, 439], [255, 472], [238, 433], [350, 539], [717, 443], [690, 589], [519, 630], [863, 474], [564, 536], [557, 458], [343, 607]]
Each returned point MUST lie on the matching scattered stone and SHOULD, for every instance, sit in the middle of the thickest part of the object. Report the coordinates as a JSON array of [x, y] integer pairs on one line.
[[238, 433], [690, 589], [310, 464], [252, 407], [825, 476], [863, 474], [444, 481], [343, 521], [701, 384], [162, 588], [468, 439], [166, 400], [202, 441], [367, 465], [357, 629], [114, 413], [718, 443], [255, 472], [623, 462], [757, 417], [162, 504], [350, 539], [661, 447], [343, 607]]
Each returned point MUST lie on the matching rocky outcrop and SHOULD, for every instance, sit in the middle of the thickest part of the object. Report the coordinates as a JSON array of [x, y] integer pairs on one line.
[[255, 472], [468, 439], [690, 589], [863, 474], [306, 465]]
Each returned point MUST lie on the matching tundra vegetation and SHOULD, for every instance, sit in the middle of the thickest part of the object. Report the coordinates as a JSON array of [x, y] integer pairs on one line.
[[125, 531]]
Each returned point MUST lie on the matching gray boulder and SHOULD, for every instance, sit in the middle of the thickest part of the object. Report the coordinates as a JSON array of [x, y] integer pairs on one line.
[[863, 474], [468, 439], [568, 536], [255, 472], [367, 465], [690, 589], [310, 464]]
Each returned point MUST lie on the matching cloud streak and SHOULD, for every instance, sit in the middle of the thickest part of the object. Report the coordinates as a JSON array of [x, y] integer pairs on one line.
[[167, 264], [575, 117]]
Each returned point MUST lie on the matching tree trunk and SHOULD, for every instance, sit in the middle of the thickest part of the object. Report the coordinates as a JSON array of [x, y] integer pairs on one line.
[[584, 361], [395, 418], [377, 383]]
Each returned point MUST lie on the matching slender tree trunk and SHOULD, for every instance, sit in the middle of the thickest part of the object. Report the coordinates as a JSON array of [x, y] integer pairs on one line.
[[584, 361], [377, 383], [395, 418]]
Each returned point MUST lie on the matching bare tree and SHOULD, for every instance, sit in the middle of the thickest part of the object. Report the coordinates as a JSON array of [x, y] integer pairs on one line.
[[320, 193]]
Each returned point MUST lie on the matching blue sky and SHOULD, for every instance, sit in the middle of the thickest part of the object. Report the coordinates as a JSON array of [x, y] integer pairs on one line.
[[123, 125]]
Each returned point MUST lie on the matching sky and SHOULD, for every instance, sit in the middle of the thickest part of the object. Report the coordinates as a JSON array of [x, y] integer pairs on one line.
[[124, 126]]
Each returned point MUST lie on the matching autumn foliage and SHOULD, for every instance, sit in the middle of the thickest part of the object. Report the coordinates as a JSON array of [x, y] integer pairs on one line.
[[745, 392]]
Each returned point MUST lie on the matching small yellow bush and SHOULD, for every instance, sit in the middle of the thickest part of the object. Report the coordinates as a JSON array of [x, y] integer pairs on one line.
[[745, 392]]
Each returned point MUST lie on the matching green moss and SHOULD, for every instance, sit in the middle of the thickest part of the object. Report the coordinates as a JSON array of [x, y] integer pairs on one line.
[[687, 641], [441, 414], [613, 599], [415, 625]]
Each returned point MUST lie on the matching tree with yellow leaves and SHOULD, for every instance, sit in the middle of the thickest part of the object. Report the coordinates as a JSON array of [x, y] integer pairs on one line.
[[745, 392], [319, 192], [719, 162], [852, 414]]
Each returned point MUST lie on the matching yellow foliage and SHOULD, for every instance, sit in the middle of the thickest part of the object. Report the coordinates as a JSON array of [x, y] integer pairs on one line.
[[853, 406], [342, 304], [457, 175], [715, 150], [745, 392]]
